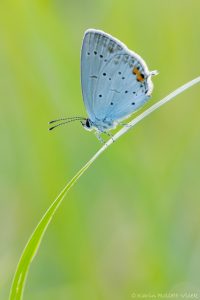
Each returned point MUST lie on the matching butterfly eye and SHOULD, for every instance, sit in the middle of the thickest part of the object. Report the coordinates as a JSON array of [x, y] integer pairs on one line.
[[87, 123]]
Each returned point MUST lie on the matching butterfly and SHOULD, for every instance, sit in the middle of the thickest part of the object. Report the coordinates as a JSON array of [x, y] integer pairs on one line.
[[115, 83]]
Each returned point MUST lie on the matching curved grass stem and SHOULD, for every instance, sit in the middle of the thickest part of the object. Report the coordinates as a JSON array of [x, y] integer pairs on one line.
[[30, 250]]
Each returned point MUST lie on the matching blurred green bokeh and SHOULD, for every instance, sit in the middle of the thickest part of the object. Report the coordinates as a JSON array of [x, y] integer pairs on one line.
[[131, 224]]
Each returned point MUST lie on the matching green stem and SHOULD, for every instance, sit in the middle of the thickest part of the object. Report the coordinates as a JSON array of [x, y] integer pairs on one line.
[[32, 246]]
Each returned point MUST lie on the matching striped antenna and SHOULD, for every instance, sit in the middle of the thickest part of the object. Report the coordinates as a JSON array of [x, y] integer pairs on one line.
[[63, 123], [70, 118]]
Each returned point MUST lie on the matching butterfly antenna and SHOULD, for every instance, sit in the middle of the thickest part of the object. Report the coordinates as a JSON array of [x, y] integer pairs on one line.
[[63, 119], [63, 123]]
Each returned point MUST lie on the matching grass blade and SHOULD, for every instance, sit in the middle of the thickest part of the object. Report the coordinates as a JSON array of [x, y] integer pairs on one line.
[[30, 250]]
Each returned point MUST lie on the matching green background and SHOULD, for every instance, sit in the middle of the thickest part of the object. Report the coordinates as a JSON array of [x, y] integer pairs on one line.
[[131, 224]]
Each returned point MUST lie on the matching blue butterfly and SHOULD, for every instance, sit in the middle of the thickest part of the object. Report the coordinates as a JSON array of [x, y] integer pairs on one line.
[[115, 82]]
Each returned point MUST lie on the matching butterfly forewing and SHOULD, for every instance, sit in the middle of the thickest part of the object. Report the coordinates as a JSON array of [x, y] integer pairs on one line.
[[97, 50]]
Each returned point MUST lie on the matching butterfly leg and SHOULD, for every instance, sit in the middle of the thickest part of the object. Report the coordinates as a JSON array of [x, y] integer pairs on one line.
[[98, 135], [110, 135], [124, 125]]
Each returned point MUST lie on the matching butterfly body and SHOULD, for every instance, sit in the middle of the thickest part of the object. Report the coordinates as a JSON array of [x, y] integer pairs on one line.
[[99, 125]]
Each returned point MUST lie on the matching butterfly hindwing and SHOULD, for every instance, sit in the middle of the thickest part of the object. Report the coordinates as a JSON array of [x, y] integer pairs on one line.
[[118, 92]]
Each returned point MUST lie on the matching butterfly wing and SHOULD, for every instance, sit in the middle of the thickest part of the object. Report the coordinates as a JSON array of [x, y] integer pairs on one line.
[[115, 80]]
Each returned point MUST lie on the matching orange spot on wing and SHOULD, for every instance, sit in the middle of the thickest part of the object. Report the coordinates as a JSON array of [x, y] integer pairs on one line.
[[140, 77], [135, 71]]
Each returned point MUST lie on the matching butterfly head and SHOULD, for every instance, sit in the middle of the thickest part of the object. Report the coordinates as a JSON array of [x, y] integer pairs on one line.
[[87, 124]]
